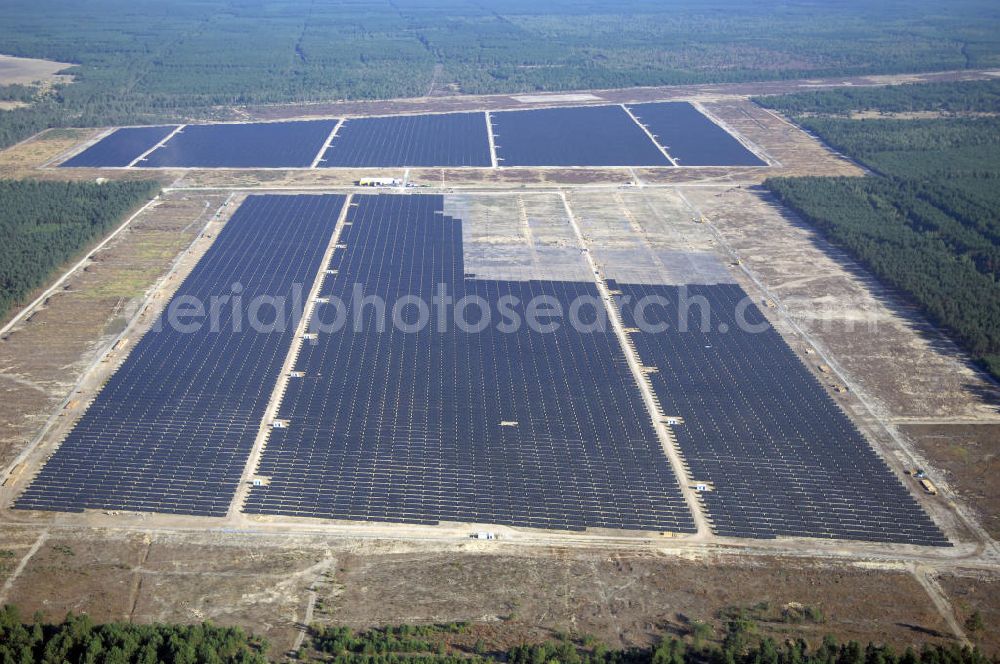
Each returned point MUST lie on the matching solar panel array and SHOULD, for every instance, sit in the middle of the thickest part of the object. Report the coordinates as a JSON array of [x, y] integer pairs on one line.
[[522, 428], [120, 148], [172, 430], [448, 139], [568, 136], [574, 136], [257, 145], [690, 137], [782, 456]]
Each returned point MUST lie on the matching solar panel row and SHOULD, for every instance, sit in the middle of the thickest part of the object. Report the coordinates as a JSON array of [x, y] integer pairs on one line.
[[520, 427], [172, 429], [571, 136], [270, 145], [690, 137], [575, 136], [782, 456], [121, 147], [448, 139]]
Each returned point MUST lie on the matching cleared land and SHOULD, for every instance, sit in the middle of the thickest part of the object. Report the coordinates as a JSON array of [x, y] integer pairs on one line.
[[25, 71], [701, 92], [513, 594]]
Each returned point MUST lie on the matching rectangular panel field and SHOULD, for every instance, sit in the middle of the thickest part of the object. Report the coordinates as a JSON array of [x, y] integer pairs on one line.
[[422, 423], [172, 430], [575, 136], [690, 137], [778, 454], [120, 148], [449, 139], [255, 145]]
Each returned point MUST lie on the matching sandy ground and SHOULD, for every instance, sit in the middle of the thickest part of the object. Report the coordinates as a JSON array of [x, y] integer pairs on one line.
[[971, 592], [967, 456], [28, 70], [513, 594], [625, 95]]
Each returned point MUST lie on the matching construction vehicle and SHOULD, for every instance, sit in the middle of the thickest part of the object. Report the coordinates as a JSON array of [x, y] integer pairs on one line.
[[12, 478], [928, 486], [483, 535], [379, 182]]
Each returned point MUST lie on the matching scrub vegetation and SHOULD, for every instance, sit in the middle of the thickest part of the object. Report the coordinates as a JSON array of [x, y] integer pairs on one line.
[[79, 640], [956, 97]]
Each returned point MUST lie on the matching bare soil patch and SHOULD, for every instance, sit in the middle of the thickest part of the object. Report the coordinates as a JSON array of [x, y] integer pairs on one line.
[[69, 574], [623, 599], [624, 95], [29, 70], [971, 592], [22, 159], [967, 456], [512, 594]]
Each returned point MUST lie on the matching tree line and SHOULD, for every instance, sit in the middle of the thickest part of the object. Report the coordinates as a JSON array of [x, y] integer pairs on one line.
[[45, 224], [740, 642], [928, 223], [950, 97], [78, 640]]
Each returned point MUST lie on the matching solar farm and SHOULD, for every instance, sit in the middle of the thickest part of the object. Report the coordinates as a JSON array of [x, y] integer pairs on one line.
[[348, 407], [456, 350], [642, 135], [613, 428]]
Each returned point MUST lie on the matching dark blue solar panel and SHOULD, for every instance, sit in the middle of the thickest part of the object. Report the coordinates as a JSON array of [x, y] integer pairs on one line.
[[783, 458], [172, 429], [120, 148], [408, 426], [255, 145], [449, 139], [577, 136], [691, 138]]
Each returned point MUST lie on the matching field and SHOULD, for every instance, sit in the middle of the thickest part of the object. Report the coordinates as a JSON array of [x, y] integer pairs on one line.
[[366, 459], [511, 594], [28, 71]]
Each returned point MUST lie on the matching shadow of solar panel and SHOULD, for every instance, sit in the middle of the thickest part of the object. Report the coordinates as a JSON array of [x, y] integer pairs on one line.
[[505, 426], [172, 429], [691, 138], [782, 456], [447, 139], [120, 148], [252, 145], [575, 136]]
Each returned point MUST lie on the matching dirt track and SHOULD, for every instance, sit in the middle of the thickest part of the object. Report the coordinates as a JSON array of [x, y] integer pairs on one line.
[[705, 91]]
